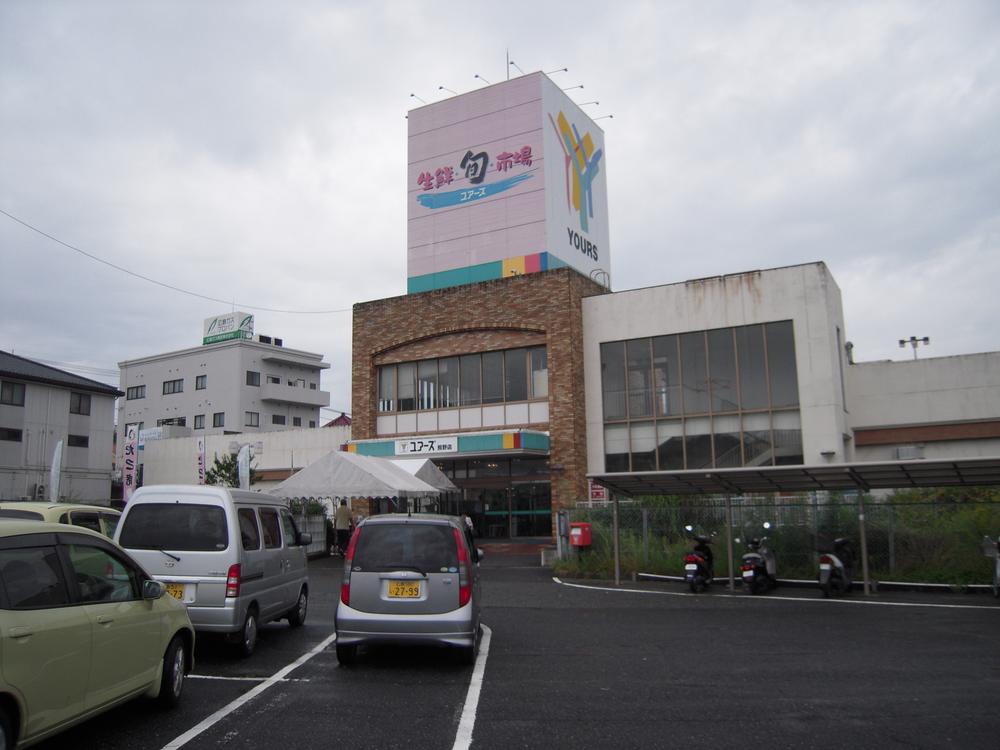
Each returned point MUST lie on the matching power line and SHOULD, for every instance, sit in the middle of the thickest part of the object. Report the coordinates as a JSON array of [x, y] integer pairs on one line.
[[164, 284]]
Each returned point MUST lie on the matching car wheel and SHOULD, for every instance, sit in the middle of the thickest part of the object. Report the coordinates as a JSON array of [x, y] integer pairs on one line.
[[172, 681], [7, 738], [297, 616], [346, 655], [467, 654], [248, 634]]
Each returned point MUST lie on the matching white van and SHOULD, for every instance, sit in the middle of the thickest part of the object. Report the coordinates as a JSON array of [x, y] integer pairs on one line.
[[235, 558]]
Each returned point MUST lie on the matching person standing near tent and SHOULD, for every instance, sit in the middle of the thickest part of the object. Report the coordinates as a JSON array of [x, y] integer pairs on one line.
[[342, 525]]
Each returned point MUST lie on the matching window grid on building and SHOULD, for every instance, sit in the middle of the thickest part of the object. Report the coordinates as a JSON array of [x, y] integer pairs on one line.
[[12, 394], [513, 375], [253, 378], [199, 421], [134, 392], [251, 419], [173, 386], [717, 398], [219, 419], [78, 441], [200, 382], [79, 403]]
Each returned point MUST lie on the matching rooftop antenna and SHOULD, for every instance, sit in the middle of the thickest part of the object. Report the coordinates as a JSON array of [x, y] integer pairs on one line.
[[445, 88], [584, 104], [603, 117], [482, 79], [511, 62], [570, 88], [418, 98], [558, 70]]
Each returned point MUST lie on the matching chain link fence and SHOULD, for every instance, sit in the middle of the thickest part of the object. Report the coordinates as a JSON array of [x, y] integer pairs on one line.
[[909, 538]]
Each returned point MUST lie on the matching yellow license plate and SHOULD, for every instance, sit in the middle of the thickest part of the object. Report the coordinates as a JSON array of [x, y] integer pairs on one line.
[[404, 589], [175, 590]]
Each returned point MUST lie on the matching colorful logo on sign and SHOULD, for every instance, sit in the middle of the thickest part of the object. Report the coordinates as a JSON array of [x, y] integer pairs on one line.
[[476, 167], [584, 164]]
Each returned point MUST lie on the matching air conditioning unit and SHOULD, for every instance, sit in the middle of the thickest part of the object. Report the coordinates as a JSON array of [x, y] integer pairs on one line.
[[909, 452]]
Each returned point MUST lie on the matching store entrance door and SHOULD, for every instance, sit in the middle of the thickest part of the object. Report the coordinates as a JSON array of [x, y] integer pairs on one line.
[[518, 510], [531, 509]]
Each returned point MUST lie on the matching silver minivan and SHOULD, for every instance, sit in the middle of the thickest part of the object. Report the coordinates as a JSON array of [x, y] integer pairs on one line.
[[410, 579], [235, 558]]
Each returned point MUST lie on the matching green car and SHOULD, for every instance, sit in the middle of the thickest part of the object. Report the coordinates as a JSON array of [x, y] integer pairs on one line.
[[83, 628]]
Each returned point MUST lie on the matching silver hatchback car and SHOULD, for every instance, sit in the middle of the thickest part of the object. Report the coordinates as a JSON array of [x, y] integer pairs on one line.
[[410, 579]]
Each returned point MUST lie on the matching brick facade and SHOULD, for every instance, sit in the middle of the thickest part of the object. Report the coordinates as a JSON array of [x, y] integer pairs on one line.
[[493, 315]]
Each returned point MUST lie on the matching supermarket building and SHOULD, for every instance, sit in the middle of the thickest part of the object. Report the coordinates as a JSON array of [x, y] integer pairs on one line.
[[515, 367]]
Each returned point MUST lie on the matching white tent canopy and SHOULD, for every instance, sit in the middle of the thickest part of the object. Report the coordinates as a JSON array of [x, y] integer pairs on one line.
[[427, 471], [344, 475]]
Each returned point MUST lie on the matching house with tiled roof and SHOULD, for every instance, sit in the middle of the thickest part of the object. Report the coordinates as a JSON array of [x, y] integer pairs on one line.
[[41, 406]]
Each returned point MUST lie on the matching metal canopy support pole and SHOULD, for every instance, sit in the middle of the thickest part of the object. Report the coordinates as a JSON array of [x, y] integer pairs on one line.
[[864, 542], [729, 541], [614, 517]]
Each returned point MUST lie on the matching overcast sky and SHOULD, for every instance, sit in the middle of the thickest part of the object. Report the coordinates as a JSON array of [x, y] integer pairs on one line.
[[255, 152]]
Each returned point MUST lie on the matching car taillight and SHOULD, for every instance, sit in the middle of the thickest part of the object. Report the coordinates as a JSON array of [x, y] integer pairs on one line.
[[233, 581], [464, 579], [825, 560], [345, 584]]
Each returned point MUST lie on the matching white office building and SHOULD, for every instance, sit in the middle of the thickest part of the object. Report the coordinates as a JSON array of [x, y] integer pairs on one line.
[[235, 382]]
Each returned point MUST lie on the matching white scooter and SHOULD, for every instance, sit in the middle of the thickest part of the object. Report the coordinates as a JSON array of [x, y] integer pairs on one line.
[[835, 568], [759, 568]]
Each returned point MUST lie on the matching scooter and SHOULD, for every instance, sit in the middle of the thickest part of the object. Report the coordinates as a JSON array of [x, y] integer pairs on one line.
[[698, 564], [835, 568], [759, 567]]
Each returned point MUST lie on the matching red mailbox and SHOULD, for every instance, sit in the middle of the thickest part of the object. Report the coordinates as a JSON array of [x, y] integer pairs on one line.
[[579, 534]]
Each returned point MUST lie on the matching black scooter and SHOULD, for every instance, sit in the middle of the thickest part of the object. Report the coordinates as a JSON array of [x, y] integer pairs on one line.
[[835, 568], [759, 567], [699, 563]]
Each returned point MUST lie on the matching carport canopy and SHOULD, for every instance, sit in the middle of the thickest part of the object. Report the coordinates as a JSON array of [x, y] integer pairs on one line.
[[800, 478]]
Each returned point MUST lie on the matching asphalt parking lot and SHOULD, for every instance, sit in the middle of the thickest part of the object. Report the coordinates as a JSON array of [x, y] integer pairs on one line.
[[579, 664]]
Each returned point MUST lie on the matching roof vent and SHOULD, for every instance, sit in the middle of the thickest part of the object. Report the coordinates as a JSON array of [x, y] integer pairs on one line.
[[278, 342]]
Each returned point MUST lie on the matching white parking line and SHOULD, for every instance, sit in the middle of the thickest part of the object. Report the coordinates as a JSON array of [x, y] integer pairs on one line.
[[769, 597], [248, 696], [463, 739], [241, 679]]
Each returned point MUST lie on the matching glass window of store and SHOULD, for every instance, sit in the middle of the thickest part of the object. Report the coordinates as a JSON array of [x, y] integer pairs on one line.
[[469, 380], [719, 398]]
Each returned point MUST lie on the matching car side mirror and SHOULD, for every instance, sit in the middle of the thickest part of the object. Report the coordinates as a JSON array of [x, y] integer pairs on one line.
[[305, 538], [153, 589]]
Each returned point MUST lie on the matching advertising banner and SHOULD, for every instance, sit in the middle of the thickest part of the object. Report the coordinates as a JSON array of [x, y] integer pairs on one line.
[[130, 452], [201, 460]]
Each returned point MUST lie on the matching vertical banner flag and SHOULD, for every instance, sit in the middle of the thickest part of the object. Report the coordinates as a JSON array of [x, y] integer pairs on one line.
[[130, 461], [201, 460], [55, 473], [243, 467]]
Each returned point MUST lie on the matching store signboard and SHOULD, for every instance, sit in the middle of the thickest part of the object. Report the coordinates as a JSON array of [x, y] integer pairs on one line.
[[234, 325], [427, 445], [505, 180]]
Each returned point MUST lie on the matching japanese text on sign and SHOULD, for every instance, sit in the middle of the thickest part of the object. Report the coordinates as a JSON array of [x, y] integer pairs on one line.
[[474, 167], [426, 445]]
